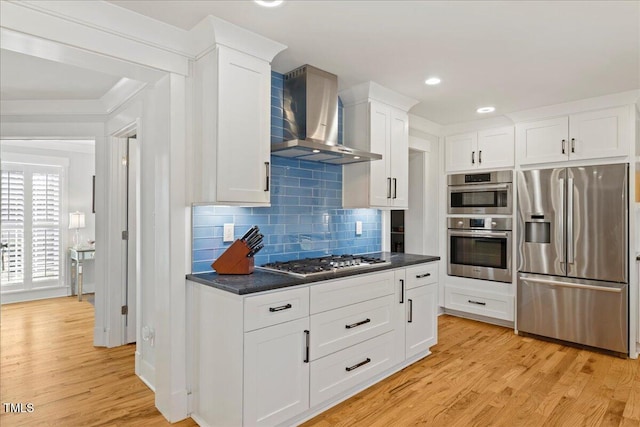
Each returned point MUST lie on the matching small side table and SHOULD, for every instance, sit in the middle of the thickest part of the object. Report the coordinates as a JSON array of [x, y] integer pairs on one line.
[[76, 257]]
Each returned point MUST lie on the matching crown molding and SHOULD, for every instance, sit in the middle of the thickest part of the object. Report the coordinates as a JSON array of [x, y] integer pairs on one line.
[[588, 104], [212, 31], [372, 91]]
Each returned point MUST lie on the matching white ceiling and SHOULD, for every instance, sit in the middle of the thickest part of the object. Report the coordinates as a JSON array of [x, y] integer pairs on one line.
[[28, 78], [515, 55]]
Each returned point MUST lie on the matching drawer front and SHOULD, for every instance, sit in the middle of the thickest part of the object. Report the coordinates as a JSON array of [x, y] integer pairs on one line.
[[420, 275], [350, 290], [337, 329], [345, 369], [482, 303], [270, 309]]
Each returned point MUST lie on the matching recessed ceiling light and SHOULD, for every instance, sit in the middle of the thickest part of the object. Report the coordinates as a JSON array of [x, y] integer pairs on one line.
[[269, 3], [356, 157], [484, 110], [432, 81], [315, 151]]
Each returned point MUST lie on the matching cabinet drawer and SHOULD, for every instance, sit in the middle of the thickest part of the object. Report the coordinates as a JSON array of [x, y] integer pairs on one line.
[[351, 290], [270, 309], [421, 275], [478, 302], [337, 329], [345, 369]]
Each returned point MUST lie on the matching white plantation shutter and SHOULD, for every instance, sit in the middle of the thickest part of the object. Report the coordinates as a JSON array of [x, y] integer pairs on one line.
[[45, 252], [30, 215], [12, 231]]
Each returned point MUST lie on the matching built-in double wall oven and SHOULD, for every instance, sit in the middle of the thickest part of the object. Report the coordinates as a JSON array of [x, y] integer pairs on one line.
[[488, 193], [479, 247]]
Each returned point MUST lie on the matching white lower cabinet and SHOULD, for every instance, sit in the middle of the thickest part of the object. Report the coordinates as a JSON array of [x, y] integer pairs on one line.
[[489, 304], [347, 368], [422, 312], [280, 357], [276, 373]]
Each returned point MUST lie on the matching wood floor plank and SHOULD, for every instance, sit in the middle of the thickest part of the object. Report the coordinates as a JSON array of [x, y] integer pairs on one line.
[[485, 375], [47, 358]]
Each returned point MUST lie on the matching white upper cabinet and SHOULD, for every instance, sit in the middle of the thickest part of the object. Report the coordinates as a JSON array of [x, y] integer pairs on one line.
[[599, 134], [232, 142], [487, 149], [592, 135], [382, 128]]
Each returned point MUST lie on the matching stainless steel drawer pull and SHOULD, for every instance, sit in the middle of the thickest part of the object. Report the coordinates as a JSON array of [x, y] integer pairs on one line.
[[480, 156], [282, 307], [395, 188], [354, 325], [573, 145], [357, 365], [477, 302], [268, 172], [307, 337], [420, 276], [563, 142], [389, 188], [473, 157]]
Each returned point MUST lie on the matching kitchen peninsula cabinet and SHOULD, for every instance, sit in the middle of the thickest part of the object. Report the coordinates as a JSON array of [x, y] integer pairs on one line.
[[486, 149], [281, 356], [590, 135], [376, 120], [232, 152]]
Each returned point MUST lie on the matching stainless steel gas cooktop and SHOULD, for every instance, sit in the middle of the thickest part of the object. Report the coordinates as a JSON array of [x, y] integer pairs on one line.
[[312, 266]]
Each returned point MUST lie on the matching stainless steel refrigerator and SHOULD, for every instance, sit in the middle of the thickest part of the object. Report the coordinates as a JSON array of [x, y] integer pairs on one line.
[[573, 255]]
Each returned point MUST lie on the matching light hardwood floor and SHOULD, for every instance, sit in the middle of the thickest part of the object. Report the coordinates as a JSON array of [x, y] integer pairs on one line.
[[478, 375], [485, 375], [47, 358]]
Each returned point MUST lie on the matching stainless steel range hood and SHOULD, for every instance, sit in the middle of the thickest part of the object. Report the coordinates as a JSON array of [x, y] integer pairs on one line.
[[311, 120]]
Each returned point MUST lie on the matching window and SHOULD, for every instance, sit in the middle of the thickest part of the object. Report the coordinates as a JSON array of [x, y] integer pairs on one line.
[[12, 234], [30, 226]]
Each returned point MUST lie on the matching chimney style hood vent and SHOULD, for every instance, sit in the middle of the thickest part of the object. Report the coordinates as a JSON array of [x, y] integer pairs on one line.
[[311, 120]]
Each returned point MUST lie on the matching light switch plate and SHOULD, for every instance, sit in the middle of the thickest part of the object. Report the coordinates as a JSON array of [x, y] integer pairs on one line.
[[358, 228], [228, 233]]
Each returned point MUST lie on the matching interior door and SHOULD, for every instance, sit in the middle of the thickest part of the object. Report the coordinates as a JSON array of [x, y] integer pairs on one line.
[[597, 222], [541, 230], [133, 211]]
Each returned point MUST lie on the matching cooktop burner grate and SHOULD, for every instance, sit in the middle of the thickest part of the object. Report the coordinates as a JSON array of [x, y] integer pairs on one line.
[[310, 266]]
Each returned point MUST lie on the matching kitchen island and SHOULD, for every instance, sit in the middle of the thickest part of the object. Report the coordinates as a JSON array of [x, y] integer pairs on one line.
[[272, 349]]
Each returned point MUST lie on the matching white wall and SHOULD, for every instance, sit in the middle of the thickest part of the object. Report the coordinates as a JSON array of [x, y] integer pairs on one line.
[[78, 190]]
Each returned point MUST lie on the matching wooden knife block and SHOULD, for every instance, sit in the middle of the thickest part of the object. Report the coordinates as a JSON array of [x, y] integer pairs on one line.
[[234, 260]]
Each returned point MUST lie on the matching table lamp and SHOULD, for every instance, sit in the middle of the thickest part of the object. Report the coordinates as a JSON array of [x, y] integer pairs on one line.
[[76, 220]]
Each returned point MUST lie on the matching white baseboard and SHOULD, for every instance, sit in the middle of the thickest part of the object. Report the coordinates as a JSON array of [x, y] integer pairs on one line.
[[34, 294], [145, 371], [99, 337]]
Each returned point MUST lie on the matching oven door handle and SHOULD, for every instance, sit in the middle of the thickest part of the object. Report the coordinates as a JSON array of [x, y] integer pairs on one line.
[[479, 233], [478, 188]]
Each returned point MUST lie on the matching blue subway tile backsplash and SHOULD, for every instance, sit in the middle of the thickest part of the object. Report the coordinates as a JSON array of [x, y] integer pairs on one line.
[[305, 219]]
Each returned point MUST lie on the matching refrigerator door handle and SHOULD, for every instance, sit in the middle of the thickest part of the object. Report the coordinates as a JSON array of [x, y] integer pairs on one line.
[[571, 285], [563, 190], [570, 242]]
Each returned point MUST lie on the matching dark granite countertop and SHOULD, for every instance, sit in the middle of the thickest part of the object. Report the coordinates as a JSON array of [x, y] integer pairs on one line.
[[261, 280]]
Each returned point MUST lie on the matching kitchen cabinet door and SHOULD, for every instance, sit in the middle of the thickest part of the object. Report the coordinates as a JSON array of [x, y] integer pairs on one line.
[[460, 151], [422, 319], [276, 373], [244, 150], [399, 159], [232, 148], [380, 186], [495, 148], [599, 134], [544, 141]]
